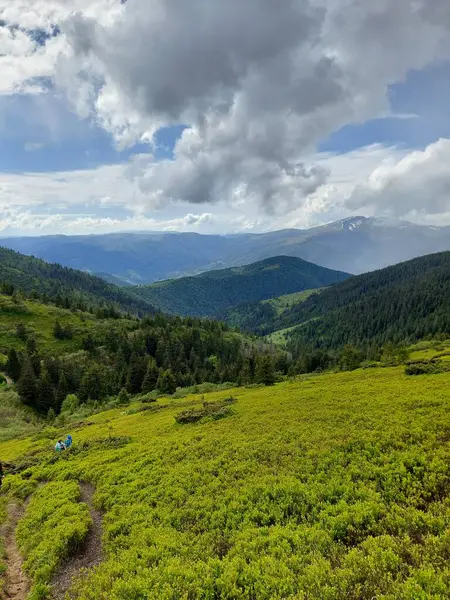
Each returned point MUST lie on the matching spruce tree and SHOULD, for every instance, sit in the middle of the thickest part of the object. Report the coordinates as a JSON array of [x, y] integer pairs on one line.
[[27, 384], [45, 392], [61, 392], [13, 365], [265, 370], [136, 374], [167, 383], [151, 376]]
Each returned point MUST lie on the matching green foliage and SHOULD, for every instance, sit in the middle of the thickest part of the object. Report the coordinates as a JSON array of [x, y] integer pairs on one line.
[[334, 486], [265, 370], [330, 487], [27, 385], [166, 383], [151, 376], [406, 302], [259, 317], [70, 404], [124, 397], [213, 292], [53, 528], [213, 410], [431, 367], [64, 287]]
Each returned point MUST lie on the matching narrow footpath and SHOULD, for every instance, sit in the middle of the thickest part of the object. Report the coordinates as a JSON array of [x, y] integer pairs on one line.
[[17, 584]]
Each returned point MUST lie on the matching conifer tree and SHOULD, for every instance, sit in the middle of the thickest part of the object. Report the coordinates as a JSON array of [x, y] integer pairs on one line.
[[27, 383], [151, 376], [13, 365], [61, 392], [166, 382], [265, 370], [45, 392]]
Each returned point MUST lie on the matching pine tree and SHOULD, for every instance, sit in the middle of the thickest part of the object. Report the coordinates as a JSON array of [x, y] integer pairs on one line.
[[13, 365], [58, 331], [27, 383], [45, 392], [124, 397], [91, 387], [61, 392], [136, 374], [151, 376], [167, 383], [265, 370]]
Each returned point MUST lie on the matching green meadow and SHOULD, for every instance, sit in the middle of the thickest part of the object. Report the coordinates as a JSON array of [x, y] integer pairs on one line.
[[327, 487]]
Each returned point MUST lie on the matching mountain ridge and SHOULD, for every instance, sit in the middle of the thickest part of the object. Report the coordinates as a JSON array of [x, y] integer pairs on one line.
[[353, 245], [209, 293]]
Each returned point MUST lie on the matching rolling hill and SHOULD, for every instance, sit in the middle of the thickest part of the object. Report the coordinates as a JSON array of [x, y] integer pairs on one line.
[[262, 317], [408, 301], [210, 293], [62, 285], [353, 245]]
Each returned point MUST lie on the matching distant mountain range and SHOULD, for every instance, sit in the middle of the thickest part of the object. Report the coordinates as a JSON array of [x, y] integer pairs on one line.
[[209, 293], [353, 245]]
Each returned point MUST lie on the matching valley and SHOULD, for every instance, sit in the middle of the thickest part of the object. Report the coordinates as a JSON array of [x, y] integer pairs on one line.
[[294, 445]]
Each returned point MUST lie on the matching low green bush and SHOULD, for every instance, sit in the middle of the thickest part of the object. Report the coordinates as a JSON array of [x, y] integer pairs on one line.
[[214, 410], [54, 527]]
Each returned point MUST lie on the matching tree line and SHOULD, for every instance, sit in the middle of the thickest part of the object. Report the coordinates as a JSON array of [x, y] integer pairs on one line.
[[155, 353]]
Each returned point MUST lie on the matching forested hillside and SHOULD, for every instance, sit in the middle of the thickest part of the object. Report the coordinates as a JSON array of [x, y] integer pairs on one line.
[[406, 302], [210, 293], [64, 287], [51, 353], [261, 317]]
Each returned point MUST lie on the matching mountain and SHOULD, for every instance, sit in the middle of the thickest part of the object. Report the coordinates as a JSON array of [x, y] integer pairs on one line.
[[353, 245], [408, 301], [65, 286], [209, 293]]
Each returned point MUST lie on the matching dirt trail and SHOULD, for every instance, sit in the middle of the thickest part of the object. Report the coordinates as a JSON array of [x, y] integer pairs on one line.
[[17, 584], [89, 556]]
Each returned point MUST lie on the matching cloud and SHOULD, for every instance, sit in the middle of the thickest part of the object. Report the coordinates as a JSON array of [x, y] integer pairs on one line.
[[33, 146], [375, 180], [260, 84], [416, 186]]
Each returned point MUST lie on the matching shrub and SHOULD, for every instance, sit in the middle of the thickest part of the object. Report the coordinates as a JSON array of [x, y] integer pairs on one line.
[[213, 410], [54, 527], [431, 367]]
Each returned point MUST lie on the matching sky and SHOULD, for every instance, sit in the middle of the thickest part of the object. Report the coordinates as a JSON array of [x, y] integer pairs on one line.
[[222, 117]]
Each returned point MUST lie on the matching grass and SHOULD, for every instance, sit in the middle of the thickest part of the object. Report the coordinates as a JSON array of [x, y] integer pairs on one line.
[[283, 303], [326, 487], [39, 321]]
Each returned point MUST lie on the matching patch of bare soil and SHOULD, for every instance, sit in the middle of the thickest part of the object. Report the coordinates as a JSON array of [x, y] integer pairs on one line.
[[89, 556], [17, 584]]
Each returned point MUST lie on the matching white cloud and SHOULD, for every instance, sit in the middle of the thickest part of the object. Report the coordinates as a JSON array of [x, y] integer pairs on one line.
[[371, 181], [416, 186], [260, 84]]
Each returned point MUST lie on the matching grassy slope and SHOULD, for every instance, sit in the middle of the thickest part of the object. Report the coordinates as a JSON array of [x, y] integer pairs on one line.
[[282, 303], [39, 319], [215, 291], [330, 487]]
